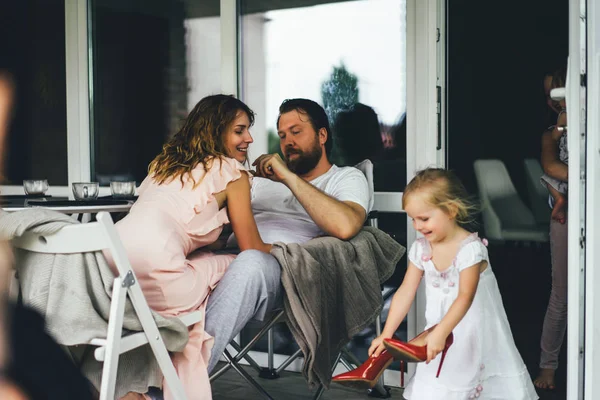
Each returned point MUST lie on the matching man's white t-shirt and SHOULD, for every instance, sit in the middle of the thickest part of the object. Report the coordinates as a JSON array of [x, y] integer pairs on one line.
[[281, 218]]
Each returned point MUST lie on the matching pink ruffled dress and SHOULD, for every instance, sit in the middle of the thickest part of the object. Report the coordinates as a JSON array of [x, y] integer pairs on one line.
[[162, 234]]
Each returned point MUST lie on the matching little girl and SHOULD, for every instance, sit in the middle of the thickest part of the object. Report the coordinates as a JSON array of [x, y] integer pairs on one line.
[[462, 298]]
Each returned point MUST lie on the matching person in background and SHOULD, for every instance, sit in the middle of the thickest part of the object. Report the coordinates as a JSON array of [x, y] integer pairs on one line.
[[8, 390], [556, 176]]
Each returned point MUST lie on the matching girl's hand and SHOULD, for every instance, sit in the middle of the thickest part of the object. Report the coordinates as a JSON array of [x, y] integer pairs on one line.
[[435, 344], [377, 346]]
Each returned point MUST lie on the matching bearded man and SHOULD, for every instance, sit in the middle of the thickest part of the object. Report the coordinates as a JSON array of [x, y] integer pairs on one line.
[[293, 201]]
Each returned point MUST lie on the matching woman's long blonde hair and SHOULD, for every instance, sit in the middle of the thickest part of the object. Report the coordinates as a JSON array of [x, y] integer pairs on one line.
[[200, 140], [446, 192]]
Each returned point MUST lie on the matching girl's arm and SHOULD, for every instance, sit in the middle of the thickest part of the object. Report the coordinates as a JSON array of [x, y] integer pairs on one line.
[[551, 163], [401, 302], [240, 215], [467, 286]]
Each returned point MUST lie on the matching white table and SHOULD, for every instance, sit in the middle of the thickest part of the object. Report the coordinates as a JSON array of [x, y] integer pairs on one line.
[[76, 210], [92, 209]]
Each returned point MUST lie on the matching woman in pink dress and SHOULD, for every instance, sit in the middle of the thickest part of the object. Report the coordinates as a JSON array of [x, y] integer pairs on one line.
[[195, 185]]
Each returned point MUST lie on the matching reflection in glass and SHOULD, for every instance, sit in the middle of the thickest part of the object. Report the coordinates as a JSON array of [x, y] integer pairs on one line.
[[152, 61], [33, 52], [357, 56]]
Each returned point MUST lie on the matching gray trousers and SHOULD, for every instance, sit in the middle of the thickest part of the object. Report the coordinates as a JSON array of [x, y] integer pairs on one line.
[[249, 289], [555, 321]]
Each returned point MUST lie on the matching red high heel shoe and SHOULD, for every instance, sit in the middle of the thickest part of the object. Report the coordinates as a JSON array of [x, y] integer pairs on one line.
[[415, 350], [367, 374]]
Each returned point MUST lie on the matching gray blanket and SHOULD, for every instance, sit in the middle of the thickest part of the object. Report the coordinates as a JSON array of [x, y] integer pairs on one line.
[[72, 292], [333, 291]]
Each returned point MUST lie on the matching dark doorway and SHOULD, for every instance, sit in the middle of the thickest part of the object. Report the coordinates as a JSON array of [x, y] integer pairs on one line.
[[498, 54]]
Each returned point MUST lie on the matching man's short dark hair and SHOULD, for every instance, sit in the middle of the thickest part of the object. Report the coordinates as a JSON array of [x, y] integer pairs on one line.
[[316, 116]]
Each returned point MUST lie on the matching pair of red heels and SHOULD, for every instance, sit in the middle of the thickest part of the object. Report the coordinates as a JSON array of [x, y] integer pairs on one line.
[[367, 375]]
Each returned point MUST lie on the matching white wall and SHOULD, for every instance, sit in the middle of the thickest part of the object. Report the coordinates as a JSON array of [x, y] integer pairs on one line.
[[203, 48], [254, 79]]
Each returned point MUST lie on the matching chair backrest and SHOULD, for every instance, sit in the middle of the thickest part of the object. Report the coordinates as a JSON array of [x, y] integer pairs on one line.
[[102, 235], [77, 238], [502, 208], [538, 195], [366, 167], [80, 238]]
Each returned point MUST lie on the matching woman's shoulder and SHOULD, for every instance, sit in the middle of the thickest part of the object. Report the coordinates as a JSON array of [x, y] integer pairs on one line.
[[224, 165]]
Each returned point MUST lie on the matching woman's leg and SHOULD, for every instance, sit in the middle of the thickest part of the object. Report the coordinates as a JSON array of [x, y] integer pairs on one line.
[[555, 321]]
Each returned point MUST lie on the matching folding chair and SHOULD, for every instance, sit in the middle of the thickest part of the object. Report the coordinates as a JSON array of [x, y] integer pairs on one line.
[[271, 372], [97, 236]]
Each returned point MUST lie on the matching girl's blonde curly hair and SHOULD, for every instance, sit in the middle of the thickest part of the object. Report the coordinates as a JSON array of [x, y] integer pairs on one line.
[[445, 191]]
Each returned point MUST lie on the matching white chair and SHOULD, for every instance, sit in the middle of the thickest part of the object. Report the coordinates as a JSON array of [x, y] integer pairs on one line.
[[505, 216], [538, 195], [98, 236]]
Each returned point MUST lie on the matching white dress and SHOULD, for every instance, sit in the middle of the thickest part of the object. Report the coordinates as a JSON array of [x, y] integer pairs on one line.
[[483, 362]]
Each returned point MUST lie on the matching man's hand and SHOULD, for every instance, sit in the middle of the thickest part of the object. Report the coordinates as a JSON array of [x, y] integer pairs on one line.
[[272, 167]]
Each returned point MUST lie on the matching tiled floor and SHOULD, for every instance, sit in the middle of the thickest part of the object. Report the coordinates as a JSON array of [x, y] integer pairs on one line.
[[523, 275], [289, 386], [292, 386]]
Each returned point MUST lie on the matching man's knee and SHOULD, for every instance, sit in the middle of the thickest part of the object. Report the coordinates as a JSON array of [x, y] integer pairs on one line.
[[255, 264]]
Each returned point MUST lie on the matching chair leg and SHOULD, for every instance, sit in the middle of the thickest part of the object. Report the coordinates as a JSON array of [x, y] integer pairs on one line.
[[289, 360], [115, 327], [245, 375], [246, 357], [321, 388], [270, 348], [156, 342], [270, 372], [217, 374], [260, 334], [319, 393]]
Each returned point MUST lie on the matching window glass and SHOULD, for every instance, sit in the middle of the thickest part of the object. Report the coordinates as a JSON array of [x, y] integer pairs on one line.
[[152, 62], [32, 49], [348, 56]]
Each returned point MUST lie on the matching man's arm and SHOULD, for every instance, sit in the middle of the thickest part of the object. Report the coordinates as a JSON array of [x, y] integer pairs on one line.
[[341, 219]]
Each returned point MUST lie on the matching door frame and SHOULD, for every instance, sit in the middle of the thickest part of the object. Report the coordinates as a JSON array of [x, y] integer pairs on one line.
[[576, 106], [592, 230]]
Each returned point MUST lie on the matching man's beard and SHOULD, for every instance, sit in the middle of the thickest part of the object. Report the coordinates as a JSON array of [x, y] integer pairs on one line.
[[305, 161]]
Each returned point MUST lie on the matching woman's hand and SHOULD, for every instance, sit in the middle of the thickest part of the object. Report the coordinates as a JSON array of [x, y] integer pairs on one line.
[[436, 342], [377, 346]]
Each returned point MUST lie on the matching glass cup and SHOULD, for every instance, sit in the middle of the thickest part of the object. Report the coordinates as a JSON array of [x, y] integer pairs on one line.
[[122, 189], [85, 190], [35, 186]]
